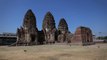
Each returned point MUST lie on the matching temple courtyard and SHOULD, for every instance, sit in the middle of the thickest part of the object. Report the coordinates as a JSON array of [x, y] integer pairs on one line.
[[54, 52]]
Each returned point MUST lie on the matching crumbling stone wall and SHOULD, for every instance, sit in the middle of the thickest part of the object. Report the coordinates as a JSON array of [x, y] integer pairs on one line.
[[82, 35]]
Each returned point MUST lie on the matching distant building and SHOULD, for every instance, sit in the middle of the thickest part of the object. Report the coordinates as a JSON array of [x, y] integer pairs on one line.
[[7, 38]]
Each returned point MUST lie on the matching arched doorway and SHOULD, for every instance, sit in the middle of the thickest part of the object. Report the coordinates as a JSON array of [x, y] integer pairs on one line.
[[32, 37], [88, 37]]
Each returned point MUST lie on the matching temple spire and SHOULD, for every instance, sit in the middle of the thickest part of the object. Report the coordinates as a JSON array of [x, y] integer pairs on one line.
[[29, 19]]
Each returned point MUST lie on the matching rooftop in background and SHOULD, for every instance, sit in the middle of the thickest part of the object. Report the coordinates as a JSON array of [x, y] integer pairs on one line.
[[5, 34]]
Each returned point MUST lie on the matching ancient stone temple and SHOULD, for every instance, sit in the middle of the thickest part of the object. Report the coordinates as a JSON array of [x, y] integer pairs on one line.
[[62, 31], [49, 28], [28, 33], [83, 35]]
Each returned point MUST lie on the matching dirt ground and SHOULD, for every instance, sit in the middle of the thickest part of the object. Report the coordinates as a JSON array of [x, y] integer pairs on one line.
[[54, 52]]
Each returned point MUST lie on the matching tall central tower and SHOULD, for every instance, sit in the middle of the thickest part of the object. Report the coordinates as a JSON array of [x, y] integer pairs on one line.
[[49, 28]]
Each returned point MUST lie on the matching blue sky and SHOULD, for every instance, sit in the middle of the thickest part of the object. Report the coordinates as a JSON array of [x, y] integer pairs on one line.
[[89, 13]]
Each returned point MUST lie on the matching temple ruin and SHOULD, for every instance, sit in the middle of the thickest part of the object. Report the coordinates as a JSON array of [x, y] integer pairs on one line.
[[82, 35], [49, 28], [28, 34], [62, 30]]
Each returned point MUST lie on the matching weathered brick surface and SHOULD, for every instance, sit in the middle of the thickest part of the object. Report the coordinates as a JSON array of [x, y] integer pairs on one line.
[[82, 35]]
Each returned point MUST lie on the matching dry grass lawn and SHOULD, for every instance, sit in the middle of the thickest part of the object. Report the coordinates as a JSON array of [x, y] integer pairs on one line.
[[54, 52]]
